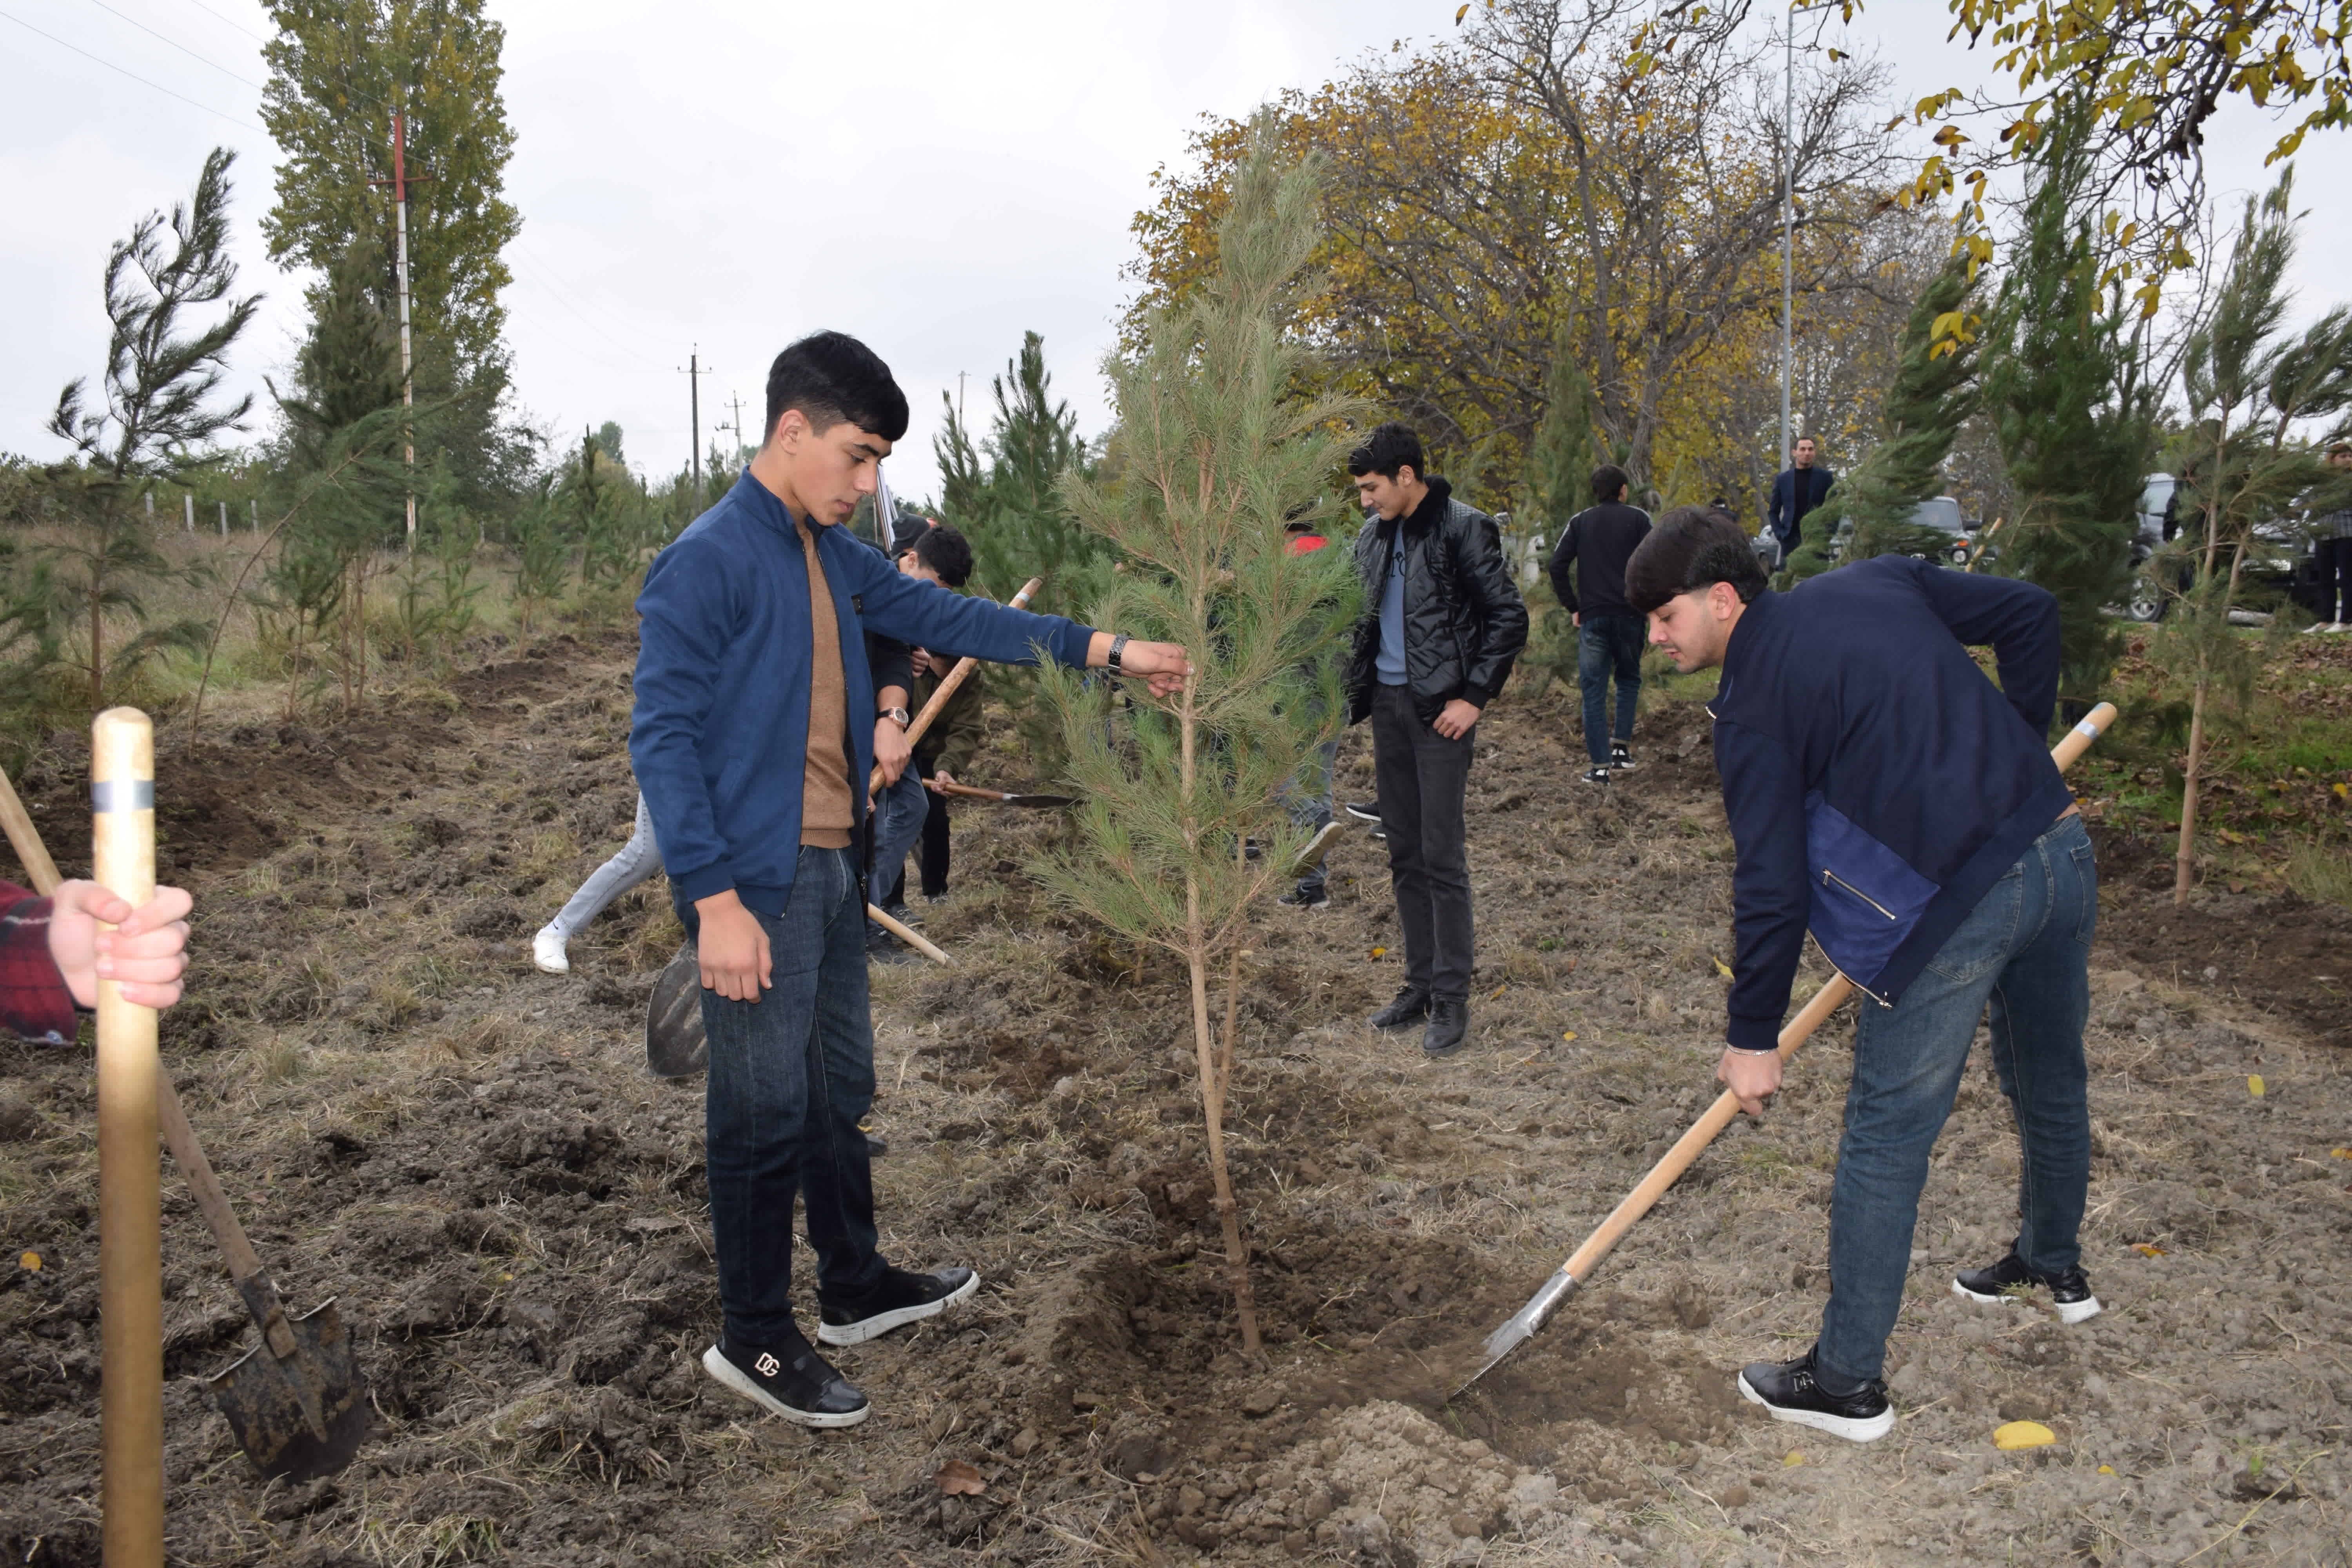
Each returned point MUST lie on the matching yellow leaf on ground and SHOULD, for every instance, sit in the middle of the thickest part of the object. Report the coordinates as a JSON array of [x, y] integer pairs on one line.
[[2254, 1085], [1571, 1035], [957, 1479], [1722, 968], [2149, 1248], [2023, 1435], [2342, 1154], [1378, 951], [1794, 1459], [2107, 1470], [31, 1260]]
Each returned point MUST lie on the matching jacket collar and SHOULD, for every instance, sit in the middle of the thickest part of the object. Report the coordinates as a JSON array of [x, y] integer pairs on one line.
[[1429, 513], [762, 503], [1755, 629]]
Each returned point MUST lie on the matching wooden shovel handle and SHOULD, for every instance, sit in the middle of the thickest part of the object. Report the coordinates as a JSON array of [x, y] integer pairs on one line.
[[908, 935], [27, 841], [974, 790], [955, 677], [1677, 1160]]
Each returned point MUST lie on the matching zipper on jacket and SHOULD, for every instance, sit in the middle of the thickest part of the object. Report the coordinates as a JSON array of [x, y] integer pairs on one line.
[[1829, 876]]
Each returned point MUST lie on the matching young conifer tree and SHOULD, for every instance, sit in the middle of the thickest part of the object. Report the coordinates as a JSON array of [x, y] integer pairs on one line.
[[2074, 418], [1933, 392], [1222, 440]]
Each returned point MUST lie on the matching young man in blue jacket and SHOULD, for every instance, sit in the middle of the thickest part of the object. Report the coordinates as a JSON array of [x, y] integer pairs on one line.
[[1884, 794], [753, 758]]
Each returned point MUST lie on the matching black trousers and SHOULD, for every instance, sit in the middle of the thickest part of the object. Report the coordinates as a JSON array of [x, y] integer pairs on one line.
[[2335, 578], [934, 856], [1422, 778]]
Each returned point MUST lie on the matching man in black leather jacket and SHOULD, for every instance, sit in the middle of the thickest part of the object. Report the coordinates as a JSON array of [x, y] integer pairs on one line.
[[1443, 624]]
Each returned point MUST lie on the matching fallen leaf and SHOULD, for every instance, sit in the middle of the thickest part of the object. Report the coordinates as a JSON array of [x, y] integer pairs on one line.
[[2023, 1435], [2149, 1249], [1722, 968], [2254, 1085], [31, 1260], [957, 1479], [2107, 1470], [1794, 1459], [1378, 951], [1498, 990], [2342, 1154], [1571, 1035]]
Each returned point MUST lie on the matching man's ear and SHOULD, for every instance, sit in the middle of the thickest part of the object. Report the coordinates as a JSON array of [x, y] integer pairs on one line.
[[789, 428], [1406, 473]]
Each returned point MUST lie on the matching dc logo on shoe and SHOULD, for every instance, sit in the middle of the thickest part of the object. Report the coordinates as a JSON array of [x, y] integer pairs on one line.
[[767, 1365]]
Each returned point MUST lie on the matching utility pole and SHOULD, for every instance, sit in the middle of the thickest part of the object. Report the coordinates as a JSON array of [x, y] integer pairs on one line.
[[1788, 221], [224, 506], [735, 401], [400, 183], [694, 371], [188, 510]]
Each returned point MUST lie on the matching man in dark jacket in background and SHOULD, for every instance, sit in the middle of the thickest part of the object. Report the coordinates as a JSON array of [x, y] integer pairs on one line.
[[1884, 794], [1443, 623], [1796, 491], [1597, 541]]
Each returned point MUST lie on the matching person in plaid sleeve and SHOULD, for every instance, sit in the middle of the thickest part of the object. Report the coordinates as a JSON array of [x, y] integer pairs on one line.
[[53, 955]]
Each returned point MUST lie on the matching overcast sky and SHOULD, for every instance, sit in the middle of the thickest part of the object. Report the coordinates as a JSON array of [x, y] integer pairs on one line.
[[934, 177]]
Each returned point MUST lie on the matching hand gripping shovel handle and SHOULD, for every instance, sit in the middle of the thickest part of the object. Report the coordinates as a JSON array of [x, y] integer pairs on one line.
[[1678, 1159], [244, 1264], [955, 677]]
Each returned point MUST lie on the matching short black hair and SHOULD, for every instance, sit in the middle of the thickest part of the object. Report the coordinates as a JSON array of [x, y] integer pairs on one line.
[[946, 551], [1692, 549], [1390, 448], [1607, 481], [830, 377]]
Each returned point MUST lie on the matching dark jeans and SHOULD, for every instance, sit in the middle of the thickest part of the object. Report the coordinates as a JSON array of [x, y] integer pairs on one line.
[[1308, 800], [933, 859], [2025, 949], [792, 1075], [2334, 558], [899, 818], [1422, 777], [1607, 644]]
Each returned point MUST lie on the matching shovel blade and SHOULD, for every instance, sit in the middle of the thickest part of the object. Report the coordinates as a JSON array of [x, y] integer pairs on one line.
[[674, 1047], [306, 1415]]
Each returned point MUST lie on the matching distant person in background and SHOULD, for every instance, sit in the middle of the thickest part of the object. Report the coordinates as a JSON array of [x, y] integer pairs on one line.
[[1797, 489], [2331, 542], [1442, 625], [1596, 546], [938, 554], [1311, 798]]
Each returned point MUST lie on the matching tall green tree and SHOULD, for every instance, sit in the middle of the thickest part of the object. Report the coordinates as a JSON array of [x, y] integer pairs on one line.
[[159, 418], [1933, 392], [2074, 418], [2252, 387], [1217, 451], [1005, 492]]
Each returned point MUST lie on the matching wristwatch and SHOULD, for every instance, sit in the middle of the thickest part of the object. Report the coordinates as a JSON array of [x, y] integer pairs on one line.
[[900, 714], [1118, 647]]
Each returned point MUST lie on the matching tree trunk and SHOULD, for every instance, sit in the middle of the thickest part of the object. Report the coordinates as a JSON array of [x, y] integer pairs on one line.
[[97, 642], [2184, 867], [1204, 1054]]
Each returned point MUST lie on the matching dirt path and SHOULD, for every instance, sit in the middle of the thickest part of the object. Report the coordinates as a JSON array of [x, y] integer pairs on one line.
[[467, 1152]]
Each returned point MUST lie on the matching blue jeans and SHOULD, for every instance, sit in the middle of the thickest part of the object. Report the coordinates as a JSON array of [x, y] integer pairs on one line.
[[2024, 950], [1308, 799], [639, 861], [898, 822], [792, 1075], [1607, 644]]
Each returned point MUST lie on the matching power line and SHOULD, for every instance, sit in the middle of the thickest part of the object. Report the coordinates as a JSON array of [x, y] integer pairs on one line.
[[240, 27], [184, 49], [134, 76]]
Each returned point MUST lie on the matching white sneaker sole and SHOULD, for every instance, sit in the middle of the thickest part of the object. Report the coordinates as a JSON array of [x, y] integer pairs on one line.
[[726, 1371], [881, 1323], [1865, 1429], [2069, 1312], [547, 961]]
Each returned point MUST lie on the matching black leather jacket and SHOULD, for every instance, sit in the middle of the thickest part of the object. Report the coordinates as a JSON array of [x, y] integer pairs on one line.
[[1465, 623]]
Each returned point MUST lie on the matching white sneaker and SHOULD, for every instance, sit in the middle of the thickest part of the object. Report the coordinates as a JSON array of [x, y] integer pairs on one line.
[[2317, 628], [547, 951], [2340, 626]]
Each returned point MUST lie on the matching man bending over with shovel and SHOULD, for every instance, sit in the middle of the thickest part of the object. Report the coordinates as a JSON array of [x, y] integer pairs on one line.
[[1883, 792], [754, 765]]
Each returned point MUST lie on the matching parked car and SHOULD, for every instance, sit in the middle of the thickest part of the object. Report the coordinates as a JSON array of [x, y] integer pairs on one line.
[[2280, 556], [1941, 513]]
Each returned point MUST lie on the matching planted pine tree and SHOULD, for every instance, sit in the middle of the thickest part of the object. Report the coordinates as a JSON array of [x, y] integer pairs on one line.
[[2074, 417], [1217, 448]]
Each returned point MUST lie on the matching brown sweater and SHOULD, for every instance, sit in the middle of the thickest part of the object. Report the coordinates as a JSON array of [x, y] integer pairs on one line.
[[827, 806]]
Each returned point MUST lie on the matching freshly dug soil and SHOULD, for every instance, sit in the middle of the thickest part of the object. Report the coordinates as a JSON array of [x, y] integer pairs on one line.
[[469, 1154]]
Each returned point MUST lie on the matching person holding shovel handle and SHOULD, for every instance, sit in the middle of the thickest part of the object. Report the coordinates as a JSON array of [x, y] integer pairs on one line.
[[55, 950], [754, 759], [1885, 794]]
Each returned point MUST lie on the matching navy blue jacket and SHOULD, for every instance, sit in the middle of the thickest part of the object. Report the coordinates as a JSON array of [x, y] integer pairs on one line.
[[720, 736], [1877, 783], [1789, 504]]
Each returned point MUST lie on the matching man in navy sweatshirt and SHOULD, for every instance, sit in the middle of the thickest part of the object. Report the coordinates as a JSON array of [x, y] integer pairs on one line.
[[1886, 795], [752, 750]]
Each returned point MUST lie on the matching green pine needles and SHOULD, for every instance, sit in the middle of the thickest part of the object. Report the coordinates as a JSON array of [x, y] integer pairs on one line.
[[1220, 444]]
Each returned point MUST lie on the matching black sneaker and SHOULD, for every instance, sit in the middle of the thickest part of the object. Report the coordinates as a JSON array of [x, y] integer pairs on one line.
[[902, 914], [1596, 776], [900, 1298], [1449, 1027], [1363, 810], [1621, 755], [1788, 1389], [881, 947], [2009, 1279], [1411, 1007], [792, 1381], [1306, 899]]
